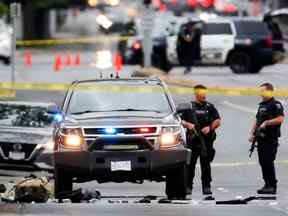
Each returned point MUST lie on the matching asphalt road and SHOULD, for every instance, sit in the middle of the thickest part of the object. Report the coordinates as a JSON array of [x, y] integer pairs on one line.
[[235, 175]]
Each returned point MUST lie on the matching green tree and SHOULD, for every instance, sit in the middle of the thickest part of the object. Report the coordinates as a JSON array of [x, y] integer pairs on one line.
[[3, 9], [36, 15]]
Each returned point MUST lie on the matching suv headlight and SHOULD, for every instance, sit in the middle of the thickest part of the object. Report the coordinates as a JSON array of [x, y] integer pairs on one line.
[[72, 141], [71, 138], [170, 137]]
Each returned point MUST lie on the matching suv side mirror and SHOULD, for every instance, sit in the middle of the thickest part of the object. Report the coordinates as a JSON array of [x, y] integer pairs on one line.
[[183, 107], [53, 109], [55, 112]]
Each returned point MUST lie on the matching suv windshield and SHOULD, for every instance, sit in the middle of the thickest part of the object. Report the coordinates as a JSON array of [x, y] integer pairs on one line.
[[251, 28], [120, 98], [24, 115]]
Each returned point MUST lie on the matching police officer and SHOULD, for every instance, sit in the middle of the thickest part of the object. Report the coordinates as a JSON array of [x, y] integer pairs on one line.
[[269, 118], [208, 120], [188, 45]]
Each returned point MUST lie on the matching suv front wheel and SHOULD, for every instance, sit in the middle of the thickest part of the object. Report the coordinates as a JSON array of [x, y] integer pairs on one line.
[[256, 68], [240, 62], [176, 182]]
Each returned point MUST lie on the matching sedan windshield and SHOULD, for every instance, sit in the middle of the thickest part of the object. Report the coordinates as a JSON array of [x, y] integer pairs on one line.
[[24, 115], [119, 98]]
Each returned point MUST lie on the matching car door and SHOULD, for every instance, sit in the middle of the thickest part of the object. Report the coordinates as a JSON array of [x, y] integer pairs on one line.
[[216, 42]]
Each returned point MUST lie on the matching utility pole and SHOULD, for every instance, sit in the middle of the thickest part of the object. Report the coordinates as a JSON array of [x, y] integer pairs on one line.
[[147, 24], [15, 12]]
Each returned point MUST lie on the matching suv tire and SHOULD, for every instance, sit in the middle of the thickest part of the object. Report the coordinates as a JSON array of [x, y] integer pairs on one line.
[[256, 69], [176, 182], [240, 62], [63, 183]]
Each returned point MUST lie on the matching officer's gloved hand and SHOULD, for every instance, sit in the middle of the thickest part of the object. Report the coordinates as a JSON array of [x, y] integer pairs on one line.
[[191, 126], [251, 138], [263, 125], [205, 130]]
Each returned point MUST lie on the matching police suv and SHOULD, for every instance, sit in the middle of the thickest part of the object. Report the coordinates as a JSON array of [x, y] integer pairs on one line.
[[246, 45], [119, 130]]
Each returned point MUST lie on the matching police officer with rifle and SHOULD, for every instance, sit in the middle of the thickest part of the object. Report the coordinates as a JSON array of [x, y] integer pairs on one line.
[[266, 132], [201, 122]]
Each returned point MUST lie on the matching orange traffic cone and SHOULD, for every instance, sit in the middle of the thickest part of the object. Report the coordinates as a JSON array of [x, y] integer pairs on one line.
[[78, 59], [28, 58], [118, 63], [68, 61], [57, 63]]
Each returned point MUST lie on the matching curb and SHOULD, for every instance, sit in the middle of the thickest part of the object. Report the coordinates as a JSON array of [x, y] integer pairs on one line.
[[186, 86]]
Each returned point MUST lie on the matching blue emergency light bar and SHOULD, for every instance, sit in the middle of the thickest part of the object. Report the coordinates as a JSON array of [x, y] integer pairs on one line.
[[110, 130]]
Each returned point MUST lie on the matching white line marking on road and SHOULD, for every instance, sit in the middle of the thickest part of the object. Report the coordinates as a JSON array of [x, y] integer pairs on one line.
[[223, 190], [244, 163], [273, 203], [239, 107]]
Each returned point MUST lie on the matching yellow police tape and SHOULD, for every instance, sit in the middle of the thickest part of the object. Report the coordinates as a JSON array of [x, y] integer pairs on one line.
[[248, 163], [178, 90], [69, 41], [7, 93]]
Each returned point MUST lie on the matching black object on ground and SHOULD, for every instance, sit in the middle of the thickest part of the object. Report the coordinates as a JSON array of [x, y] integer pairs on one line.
[[164, 201], [245, 201], [145, 200], [2, 188], [77, 196], [208, 198], [151, 197]]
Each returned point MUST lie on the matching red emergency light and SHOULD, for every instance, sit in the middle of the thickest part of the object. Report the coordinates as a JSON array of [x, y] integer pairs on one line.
[[163, 7], [192, 3], [144, 130], [207, 3]]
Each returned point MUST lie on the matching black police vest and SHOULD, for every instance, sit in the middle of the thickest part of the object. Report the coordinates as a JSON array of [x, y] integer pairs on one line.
[[266, 112], [203, 114]]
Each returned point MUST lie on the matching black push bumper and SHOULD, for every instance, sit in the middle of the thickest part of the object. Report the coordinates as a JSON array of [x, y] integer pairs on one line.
[[144, 164]]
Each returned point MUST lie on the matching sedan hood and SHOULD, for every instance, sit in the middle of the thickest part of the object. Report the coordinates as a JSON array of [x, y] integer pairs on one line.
[[25, 135]]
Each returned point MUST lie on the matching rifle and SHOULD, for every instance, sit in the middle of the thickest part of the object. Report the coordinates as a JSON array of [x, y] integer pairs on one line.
[[257, 134], [198, 132]]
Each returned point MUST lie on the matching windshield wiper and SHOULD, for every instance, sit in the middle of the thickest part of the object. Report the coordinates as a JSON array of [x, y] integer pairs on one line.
[[130, 109], [83, 112], [116, 110]]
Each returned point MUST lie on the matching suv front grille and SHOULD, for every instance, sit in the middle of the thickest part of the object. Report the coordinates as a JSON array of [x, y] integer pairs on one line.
[[124, 138], [120, 144], [125, 131]]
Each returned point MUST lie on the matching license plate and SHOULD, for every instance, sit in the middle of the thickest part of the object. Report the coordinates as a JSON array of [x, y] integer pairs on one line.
[[121, 166], [17, 155]]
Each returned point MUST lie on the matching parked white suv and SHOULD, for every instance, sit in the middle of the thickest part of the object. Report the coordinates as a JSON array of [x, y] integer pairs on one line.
[[5, 43]]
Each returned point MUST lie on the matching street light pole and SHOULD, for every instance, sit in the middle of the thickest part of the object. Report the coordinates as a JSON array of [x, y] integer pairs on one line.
[[15, 11], [147, 24]]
